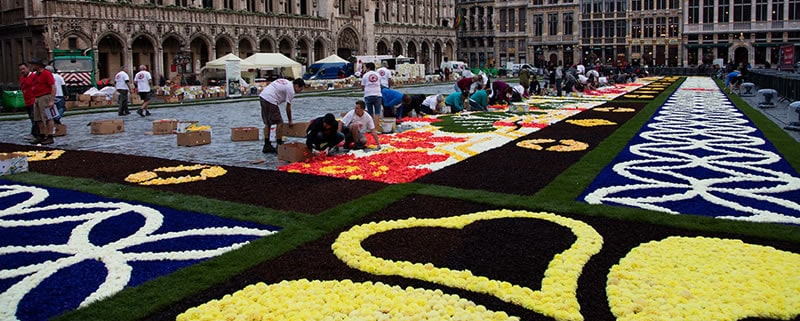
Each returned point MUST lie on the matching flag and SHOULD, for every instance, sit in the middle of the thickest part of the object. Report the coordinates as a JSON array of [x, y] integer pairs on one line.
[[459, 20]]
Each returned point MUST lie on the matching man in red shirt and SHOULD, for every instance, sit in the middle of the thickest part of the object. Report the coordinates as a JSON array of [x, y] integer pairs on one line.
[[43, 87], [28, 98], [465, 84]]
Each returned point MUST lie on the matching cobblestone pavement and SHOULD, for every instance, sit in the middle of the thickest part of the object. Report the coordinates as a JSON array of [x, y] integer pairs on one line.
[[221, 115]]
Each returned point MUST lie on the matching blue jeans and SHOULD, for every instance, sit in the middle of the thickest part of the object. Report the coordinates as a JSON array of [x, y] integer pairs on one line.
[[475, 106], [61, 106], [374, 105]]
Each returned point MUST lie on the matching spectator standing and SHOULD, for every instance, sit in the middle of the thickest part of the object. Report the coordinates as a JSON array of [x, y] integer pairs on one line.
[[143, 80], [43, 87], [60, 102], [558, 78], [386, 76], [28, 97], [371, 84], [355, 125], [535, 87], [122, 84], [525, 77], [277, 92], [551, 77]]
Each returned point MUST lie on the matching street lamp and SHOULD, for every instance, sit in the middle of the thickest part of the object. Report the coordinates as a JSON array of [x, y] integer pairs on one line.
[[182, 58]]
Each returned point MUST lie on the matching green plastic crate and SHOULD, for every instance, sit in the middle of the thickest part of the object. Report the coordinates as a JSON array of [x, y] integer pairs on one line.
[[13, 100]]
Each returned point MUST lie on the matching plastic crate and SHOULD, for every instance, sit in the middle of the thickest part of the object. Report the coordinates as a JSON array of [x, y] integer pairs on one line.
[[13, 100]]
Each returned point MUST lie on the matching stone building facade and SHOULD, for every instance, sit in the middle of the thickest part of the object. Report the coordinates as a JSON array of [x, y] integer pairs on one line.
[[670, 33], [156, 32]]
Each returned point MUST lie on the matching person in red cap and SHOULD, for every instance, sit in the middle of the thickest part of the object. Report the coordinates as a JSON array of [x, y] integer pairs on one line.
[[43, 87]]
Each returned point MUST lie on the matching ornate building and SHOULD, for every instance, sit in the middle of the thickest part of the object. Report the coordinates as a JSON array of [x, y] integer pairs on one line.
[[739, 31], [156, 32], [654, 32]]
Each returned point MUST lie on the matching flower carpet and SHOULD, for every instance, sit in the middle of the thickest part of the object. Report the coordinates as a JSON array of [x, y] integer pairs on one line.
[[63, 249], [700, 155], [437, 141], [486, 233]]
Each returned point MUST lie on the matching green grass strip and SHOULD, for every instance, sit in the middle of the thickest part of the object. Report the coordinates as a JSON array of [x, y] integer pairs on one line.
[[561, 194], [141, 301]]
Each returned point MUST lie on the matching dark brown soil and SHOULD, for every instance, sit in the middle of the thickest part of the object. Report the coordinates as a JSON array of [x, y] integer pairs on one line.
[[277, 190], [522, 171]]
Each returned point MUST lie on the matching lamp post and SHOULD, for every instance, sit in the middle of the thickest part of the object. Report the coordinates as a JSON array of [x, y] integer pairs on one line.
[[182, 58]]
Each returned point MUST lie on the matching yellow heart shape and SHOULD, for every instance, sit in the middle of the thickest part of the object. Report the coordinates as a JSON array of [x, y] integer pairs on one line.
[[557, 297]]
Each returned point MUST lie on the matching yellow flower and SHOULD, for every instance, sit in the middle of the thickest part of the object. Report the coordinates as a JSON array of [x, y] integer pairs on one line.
[[590, 122], [42, 155], [151, 177]]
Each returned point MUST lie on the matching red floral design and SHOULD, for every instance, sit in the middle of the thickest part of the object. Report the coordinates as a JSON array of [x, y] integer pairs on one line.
[[506, 123], [392, 168], [421, 119], [414, 139]]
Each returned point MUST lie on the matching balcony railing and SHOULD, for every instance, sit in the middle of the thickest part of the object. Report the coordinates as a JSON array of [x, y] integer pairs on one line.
[[744, 26]]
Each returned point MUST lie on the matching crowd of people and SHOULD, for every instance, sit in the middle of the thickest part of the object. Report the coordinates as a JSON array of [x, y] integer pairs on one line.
[[471, 92]]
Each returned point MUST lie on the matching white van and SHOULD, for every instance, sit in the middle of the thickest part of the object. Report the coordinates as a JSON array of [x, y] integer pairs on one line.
[[455, 66]]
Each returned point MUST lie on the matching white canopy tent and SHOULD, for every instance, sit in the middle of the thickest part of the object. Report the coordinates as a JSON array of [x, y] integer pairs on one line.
[[288, 67], [330, 59], [215, 69], [220, 62]]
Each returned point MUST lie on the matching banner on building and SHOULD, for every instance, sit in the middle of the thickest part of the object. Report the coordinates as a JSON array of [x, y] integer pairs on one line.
[[233, 75], [787, 58]]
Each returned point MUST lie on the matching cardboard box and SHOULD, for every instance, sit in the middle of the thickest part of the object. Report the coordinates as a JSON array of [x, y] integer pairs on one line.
[[101, 98], [83, 97], [165, 126], [95, 104], [71, 105], [293, 152], [12, 163], [136, 100], [283, 130], [194, 138], [82, 104], [109, 126], [244, 133], [61, 130]]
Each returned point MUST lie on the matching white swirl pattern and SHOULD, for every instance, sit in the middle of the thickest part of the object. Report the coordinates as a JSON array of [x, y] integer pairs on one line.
[[80, 248], [700, 146]]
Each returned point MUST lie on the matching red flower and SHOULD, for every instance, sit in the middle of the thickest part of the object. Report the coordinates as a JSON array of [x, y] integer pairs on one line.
[[392, 168], [414, 139], [421, 119]]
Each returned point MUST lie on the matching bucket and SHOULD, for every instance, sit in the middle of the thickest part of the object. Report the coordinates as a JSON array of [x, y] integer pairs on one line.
[[387, 127]]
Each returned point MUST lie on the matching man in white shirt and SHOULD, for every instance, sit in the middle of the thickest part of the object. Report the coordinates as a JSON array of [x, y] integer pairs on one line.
[[277, 92], [122, 84], [386, 76], [373, 98], [355, 125], [143, 80], [60, 102]]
